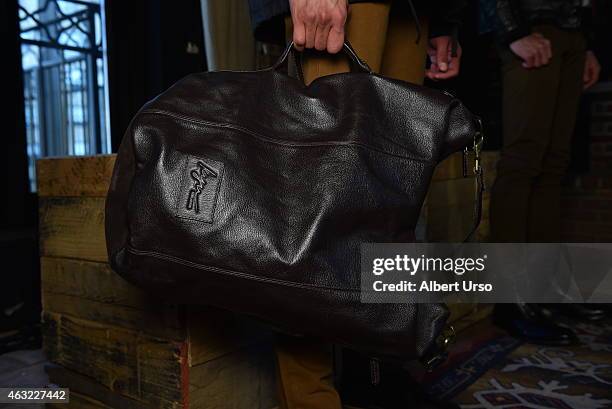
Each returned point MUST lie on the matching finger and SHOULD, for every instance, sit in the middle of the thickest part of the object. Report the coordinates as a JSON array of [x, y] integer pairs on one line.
[[544, 52], [299, 34], [310, 34], [433, 68], [309, 18], [321, 37], [540, 55], [529, 61], [537, 62], [453, 70], [335, 41], [431, 76], [431, 52], [431, 73], [442, 52]]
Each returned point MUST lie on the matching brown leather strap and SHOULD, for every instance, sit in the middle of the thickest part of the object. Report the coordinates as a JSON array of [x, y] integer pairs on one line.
[[294, 55], [480, 188], [479, 173]]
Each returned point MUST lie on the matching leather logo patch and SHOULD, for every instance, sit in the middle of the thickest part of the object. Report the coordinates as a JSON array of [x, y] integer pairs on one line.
[[200, 188]]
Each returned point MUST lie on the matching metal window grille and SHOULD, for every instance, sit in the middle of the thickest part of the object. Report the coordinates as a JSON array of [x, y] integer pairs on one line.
[[64, 79]]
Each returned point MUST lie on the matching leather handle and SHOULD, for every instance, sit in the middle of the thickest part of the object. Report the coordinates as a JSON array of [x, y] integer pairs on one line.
[[358, 63], [350, 51]]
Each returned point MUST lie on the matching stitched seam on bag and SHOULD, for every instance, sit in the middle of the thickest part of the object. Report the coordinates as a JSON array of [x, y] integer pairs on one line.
[[277, 141], [218, 270]]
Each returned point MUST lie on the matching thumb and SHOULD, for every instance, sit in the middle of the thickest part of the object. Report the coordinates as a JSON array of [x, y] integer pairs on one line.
[[442, 54]]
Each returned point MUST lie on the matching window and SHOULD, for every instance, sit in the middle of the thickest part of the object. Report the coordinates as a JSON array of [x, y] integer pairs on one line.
[[64, 78]]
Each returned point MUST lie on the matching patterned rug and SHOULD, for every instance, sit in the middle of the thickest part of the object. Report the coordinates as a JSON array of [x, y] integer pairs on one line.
[[496, 371]]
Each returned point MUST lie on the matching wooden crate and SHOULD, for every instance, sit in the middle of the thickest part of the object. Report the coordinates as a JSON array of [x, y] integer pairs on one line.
[[450, 200], [115, 346]]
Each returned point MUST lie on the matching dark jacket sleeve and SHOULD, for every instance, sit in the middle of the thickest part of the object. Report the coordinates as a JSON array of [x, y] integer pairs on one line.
[[588, 27], [511, 24], [445, 17]]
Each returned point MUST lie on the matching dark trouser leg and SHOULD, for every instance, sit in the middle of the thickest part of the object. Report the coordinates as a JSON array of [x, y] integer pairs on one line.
[[539, 112], [529, 105], [545, 206]]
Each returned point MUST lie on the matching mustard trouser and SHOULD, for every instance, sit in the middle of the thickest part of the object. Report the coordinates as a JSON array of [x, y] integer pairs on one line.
[[385, 38]]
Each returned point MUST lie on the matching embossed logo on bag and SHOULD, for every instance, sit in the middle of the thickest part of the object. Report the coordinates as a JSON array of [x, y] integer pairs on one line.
[[199, 177], [200, 188]]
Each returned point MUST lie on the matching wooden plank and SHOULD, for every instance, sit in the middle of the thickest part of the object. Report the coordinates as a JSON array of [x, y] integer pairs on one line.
[[78, 401], [251, 372], [210, 333], [88, 392], [72, 227], [129, 363], [90, 280], [94, 292], [74, 175], [159, 321]]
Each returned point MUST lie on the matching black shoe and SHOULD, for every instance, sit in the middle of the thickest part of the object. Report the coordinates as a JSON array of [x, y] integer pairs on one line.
[[583, 312], [533, 324]]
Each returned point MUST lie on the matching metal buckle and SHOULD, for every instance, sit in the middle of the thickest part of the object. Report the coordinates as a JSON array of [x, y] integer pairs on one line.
[[447, 337], [444, 340], [477, 147]]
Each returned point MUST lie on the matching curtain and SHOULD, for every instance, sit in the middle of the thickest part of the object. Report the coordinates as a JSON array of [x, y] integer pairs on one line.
[[228, 35]]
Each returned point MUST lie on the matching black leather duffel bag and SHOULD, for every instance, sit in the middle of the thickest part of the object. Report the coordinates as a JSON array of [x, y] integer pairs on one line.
[[252, 192]]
